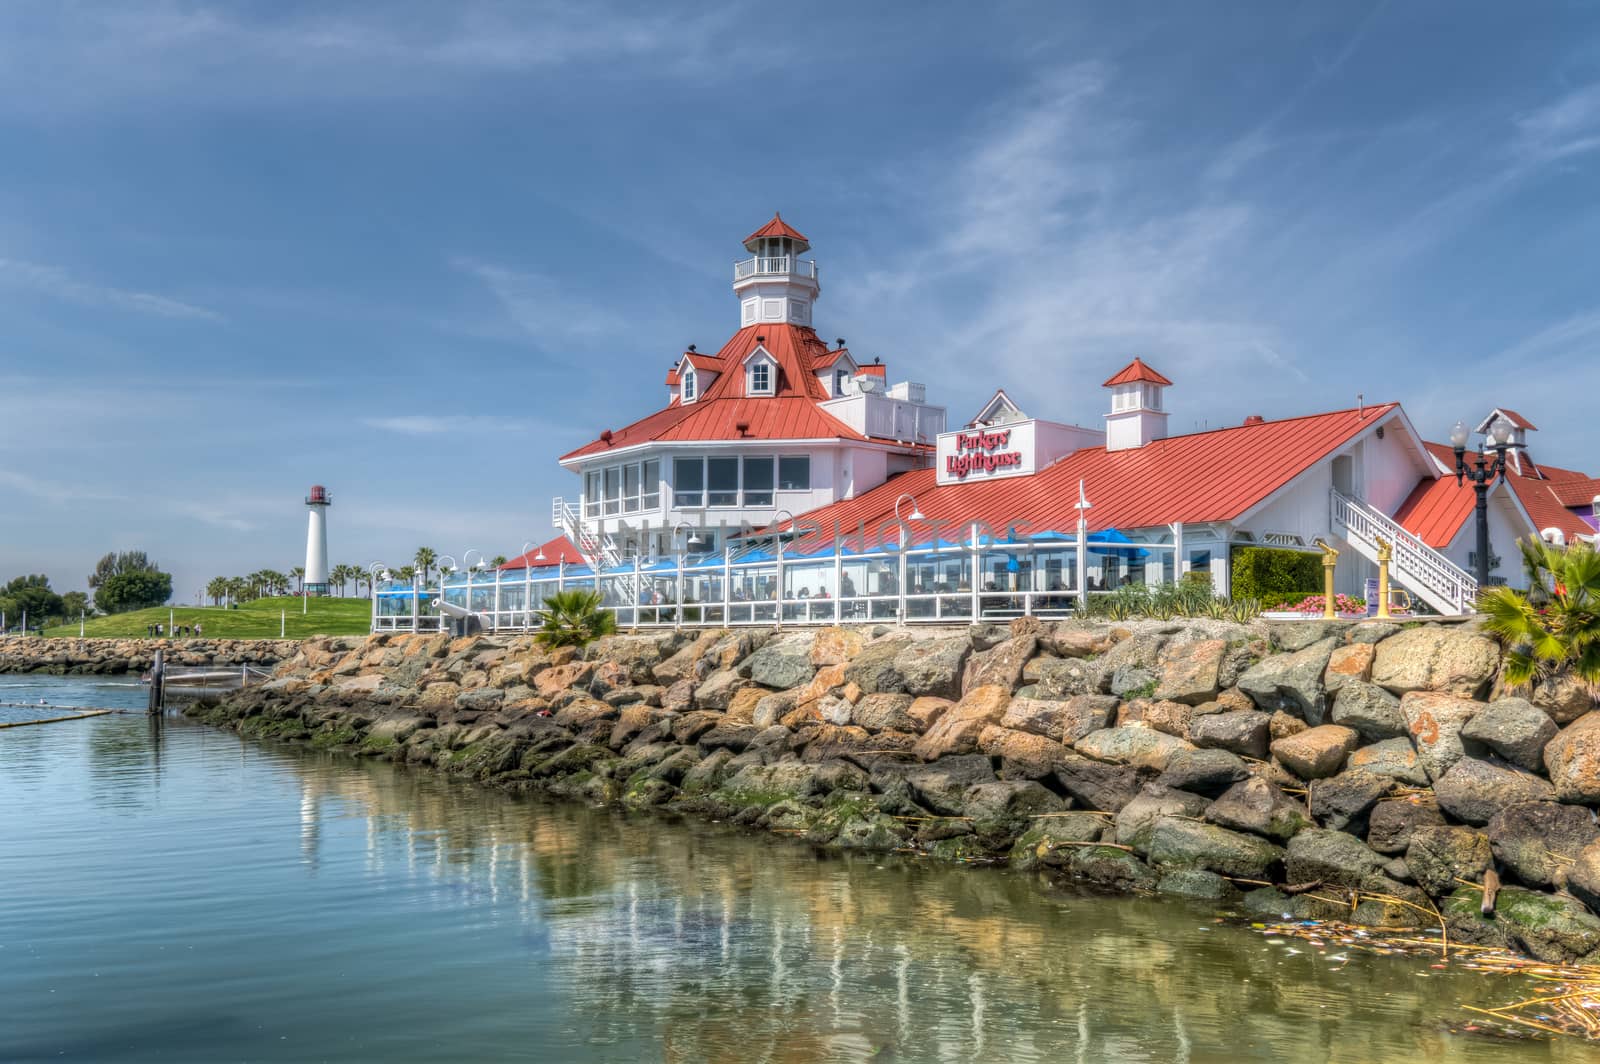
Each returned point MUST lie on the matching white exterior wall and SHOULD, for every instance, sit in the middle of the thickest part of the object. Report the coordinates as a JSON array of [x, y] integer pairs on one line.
[[1506, 526], [882, 417]]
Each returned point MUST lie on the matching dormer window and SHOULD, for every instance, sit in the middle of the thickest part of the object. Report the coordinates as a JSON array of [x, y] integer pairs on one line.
[[687, 386], [760, 373], [839, 378], [761, 379]]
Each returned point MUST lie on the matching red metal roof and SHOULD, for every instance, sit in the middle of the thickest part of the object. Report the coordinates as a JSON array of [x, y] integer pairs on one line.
[[1516, 419], [877, 369], [1134, 372], [1207, 476], [556, 550], [791, 412], [1436, 509], [776, 228]]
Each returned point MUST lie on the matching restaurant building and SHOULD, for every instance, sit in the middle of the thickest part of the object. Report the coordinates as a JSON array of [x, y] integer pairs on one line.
[[786, 480]]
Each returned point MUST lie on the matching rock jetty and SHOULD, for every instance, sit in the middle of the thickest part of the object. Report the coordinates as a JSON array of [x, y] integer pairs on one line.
[[116, 656], [1325, 770]]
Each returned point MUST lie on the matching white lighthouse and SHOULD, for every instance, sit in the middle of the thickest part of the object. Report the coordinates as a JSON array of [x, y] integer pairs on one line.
[[315, 582]]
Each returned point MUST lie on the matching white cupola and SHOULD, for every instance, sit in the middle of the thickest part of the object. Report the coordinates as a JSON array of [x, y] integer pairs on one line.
[[1137, 414], [777, 285]]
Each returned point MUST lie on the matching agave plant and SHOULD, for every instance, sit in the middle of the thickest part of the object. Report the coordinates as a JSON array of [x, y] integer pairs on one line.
[[1554, 627], [575, 619]]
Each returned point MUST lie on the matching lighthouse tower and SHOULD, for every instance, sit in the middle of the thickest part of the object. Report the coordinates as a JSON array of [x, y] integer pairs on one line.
[[315, 581]]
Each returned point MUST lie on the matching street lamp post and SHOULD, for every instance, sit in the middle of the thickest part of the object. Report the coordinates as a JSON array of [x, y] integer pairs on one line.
[[447, 565], [527, 582], [777, 553], [1482, 473], [375, 572], [905, 542], [692, 541]]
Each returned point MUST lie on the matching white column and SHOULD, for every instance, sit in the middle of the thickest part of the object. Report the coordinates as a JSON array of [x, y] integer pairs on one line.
[[1180, 557]]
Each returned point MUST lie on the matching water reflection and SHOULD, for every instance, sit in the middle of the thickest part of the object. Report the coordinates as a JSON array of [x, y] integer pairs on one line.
[[721, 947], [317, 907]]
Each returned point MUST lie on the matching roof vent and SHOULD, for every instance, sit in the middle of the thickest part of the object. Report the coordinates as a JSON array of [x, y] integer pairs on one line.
[[839, 340], [743, 427], [761, 339], [691, 348], [1255, 419], [605, 437]]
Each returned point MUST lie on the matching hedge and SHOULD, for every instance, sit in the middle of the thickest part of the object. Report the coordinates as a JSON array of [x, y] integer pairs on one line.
[[1266, 572]]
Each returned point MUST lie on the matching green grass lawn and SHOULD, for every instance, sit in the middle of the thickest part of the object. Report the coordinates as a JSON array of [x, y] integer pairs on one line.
[[252, 620]]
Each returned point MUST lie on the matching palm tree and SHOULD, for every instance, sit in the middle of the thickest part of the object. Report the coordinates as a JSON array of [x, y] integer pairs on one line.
[[575, 619], [498, 560], [336, 578], [299, 574], [408, 573], [425, 560], [217, 588], [1555, 627]]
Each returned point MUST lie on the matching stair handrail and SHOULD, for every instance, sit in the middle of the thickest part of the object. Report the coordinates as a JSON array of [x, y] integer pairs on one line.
[[1411, 555]]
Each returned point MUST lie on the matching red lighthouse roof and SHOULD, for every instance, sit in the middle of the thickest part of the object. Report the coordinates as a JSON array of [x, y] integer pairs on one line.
[[778, 228], [1136, 372]]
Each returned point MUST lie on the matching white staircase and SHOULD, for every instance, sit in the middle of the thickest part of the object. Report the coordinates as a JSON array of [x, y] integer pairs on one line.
[[599, 550], [1414, 565]]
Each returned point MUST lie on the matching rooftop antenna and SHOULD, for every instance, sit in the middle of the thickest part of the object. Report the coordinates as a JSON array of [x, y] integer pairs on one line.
[[1361, 405]]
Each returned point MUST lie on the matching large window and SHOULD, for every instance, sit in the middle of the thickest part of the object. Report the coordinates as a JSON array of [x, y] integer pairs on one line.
[[688, 482], [591, 493], [758, 481], [622, 489], [613, 490], [761, 378], [794, 473], [652, 484], [688, 386], [722, 480]]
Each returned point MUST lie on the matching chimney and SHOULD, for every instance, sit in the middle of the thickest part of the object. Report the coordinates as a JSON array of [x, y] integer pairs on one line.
[[1255, 419], [1138, 415]]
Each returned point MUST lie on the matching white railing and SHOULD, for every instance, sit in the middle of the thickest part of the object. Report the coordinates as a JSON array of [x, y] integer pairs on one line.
[[1440, 582], [597, 548], [929, 585], [774, 264]]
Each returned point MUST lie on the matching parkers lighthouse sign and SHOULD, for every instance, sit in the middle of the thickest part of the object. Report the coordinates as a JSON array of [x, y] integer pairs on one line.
[[985, 453]]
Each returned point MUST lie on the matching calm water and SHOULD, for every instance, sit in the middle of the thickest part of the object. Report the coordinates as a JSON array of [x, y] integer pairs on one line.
[[171, 893]]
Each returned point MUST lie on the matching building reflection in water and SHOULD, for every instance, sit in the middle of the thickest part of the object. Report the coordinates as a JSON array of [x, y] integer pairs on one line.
[[717, 946]]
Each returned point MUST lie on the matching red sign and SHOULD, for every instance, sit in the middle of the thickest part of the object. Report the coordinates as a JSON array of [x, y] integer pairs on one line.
[[981, 451]]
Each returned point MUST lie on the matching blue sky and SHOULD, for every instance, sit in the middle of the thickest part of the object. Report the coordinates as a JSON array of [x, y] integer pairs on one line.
[[414, 251]]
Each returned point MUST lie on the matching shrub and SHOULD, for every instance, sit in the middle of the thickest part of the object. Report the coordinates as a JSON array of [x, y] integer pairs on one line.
[[575, 619], [1555, 628], [1200, 577], [1264, 572]]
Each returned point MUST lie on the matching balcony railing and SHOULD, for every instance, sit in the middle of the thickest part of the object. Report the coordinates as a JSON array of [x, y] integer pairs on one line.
[[773, 265]]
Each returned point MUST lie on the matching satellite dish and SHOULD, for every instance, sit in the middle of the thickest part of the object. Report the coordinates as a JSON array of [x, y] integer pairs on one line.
[[867, 382]]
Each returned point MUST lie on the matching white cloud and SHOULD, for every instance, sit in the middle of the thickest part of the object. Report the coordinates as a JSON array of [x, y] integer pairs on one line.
[[437, 424], [95, 53], [57, 283], [1564, 127], [52, 491], [538, 305]]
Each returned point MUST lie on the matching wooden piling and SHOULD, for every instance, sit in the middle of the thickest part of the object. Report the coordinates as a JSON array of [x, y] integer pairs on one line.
[[157, 669]]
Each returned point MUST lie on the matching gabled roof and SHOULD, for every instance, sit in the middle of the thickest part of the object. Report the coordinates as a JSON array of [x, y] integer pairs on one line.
[[778, 228], [1437, 509], [1204, 477], [555, 551], [790, 412], [999, 407], [828, 358], [1510, 415], [1135, 372]]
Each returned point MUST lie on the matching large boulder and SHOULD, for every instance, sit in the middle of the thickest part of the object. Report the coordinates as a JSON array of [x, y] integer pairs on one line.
[[836, 646], [873, 670], [1548, 927], [1351, 663], [1259, 807], [1391, 824], [1190, 672], [999, 666], [1515, 729], [1452, 661], [1439, 856], [1065, 721], [1319, 855], [1005, 809], [1316, 752], [1434, 722], [1140, 747], [719, 688], [1183, 843], [885, 712], [1050, 677], [1023, 755], [942, 787], [1473, 791], [933, 666], [782, 663], [1344, 802], [1395, 758], [957, 731], [1136, 820], [1207, 772], [1243, 732], [1564, 697], [1096, 784], [1373, 712], [1573, 760], [1292, 682], [1539, 842], [1583, 878]]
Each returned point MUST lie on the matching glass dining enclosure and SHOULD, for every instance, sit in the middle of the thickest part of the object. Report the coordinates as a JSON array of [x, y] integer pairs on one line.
[[929, 582]]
